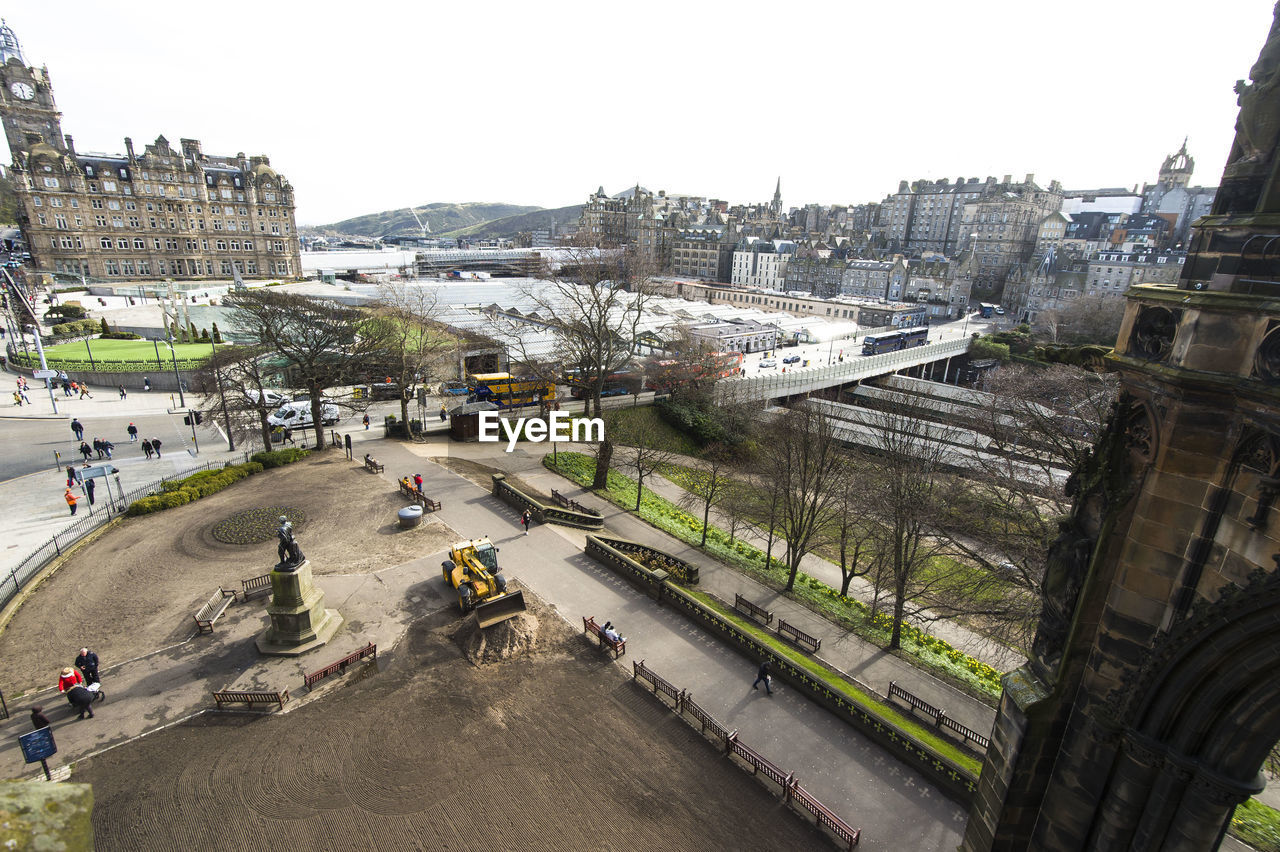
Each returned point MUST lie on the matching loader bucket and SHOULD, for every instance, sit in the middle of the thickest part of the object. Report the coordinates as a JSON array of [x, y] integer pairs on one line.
[[500, 609]]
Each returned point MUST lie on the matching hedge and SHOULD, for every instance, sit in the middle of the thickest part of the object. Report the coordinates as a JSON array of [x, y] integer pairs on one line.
[[180, 492], [278, 458]]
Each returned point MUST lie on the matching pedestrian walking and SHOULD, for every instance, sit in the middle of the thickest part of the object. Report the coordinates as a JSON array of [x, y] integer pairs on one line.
[[77, 429], [123, 395], [84, 391], [97, 447], [146, 448], [17, 399], [85, 451], [107, 447], [525, 518], [87, 663], [288, 435], [72, 479], [366, 423], [38, 719], [444, 415], [146, 383], [66, 386], [155, 446], [75, 388], [88, 489], [133, 433], [71, 500], [764, 674]]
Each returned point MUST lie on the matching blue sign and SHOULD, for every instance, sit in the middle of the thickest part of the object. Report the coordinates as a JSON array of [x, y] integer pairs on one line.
[[38, 745]]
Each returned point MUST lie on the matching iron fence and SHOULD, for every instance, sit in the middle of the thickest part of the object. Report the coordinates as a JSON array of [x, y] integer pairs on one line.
[[66, 537]]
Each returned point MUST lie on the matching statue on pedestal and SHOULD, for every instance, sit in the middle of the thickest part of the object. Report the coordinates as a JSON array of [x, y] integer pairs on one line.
[[288, 550]]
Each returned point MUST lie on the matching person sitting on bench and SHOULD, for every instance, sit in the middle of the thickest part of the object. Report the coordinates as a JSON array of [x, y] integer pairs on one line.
[[611, 633]]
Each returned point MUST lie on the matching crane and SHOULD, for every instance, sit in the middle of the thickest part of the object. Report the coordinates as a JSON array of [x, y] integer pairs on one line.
[[426, 229]]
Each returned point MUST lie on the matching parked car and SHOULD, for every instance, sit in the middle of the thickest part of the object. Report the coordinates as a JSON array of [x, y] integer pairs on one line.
[[295, 415], [767, 363], [270, 397], [791, 359], [999, 312]]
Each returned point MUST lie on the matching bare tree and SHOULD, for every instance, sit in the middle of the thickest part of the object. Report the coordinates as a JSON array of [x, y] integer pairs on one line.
[[1042, 423], [416, 344], [905, 471], [1087, 319], [709, 484], [324, 344], [801, 455], [853, 536], [594, 306], [237, 375], [641, 456]]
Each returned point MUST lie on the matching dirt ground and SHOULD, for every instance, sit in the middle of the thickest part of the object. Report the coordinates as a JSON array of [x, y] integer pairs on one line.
[[137, 587], [552, 748], [482, 475]]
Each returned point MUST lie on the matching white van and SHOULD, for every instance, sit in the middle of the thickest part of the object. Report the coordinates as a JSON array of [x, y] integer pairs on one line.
[[294, 415]]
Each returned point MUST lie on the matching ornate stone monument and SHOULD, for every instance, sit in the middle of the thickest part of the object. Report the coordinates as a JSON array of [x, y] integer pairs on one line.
[[299, 621], [1151, 697]]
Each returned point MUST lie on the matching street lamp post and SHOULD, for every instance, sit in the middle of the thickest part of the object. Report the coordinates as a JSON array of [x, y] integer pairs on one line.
[[173, 354], [226, 418]]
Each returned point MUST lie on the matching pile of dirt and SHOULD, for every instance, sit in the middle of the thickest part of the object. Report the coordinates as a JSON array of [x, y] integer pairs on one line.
[[506, 640]]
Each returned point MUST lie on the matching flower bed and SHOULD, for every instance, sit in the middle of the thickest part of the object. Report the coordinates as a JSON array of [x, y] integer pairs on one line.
[[180, 492], [256, 525]]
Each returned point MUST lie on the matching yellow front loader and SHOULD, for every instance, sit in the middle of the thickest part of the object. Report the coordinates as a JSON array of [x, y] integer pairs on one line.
[[472, 569]]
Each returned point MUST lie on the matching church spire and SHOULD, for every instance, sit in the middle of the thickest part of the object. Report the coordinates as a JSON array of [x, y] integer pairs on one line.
[[776, 206], [9, 47]]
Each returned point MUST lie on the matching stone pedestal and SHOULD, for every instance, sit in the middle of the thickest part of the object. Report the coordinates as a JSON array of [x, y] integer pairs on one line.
[[299, 621]]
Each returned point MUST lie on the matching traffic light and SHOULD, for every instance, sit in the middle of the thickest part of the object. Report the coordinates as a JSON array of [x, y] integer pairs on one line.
[[198, 415]]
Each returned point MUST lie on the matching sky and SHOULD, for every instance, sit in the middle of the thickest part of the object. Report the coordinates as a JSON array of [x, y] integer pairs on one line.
[[378, 105]]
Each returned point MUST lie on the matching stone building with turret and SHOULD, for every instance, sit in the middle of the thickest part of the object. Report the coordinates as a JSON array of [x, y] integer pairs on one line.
[[164, 212]]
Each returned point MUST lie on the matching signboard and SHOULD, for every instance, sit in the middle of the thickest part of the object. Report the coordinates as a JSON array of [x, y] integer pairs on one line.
[[45, 374], [38, 745], [100, 470]]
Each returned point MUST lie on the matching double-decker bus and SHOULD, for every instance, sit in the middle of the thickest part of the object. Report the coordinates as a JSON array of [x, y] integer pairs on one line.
[[617, 383], [507, 391], [892, 341], [666, 375]]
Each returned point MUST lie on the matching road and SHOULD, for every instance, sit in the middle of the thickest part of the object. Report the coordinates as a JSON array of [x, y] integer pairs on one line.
[[823, 354]]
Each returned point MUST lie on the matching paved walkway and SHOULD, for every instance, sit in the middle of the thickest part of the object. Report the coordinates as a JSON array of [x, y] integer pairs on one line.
[[896, 807]]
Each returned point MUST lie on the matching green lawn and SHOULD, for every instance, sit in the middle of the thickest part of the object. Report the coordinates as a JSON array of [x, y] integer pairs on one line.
[[660, 433], [126, 350], [115, 356]]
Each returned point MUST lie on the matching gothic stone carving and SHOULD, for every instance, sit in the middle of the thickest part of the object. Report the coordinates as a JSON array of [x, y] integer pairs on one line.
[[1153, 332]]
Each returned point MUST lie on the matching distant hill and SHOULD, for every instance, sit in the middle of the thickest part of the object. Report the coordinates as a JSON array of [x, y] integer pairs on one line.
[[512, 225], [440, 218]]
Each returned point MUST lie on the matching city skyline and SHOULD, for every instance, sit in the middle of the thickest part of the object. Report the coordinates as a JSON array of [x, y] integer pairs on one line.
[[410, 107]]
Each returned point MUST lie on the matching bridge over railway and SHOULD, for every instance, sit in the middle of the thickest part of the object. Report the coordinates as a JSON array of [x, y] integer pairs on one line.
[[800, 381]]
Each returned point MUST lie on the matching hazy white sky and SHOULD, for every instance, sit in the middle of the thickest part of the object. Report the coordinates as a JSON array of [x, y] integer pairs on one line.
[[376, 105]]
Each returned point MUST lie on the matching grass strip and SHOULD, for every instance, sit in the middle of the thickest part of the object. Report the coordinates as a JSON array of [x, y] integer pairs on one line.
[[1258, 825], [890, 715], [918, 647]]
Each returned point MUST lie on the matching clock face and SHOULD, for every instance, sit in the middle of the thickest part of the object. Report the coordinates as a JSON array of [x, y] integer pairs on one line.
[[23, 90]]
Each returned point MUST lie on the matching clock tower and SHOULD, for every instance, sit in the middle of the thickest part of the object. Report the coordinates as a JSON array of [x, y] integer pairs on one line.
[[26, 99]]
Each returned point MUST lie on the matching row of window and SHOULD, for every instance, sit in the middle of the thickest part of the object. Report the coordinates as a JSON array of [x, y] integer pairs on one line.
[[129, 268], [138, 244], [116, 221], [192, 192]]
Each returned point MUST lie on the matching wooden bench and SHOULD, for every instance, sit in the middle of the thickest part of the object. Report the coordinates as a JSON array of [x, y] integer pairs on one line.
[[618, 647], [743, 605], [408, 489], [373, 465], [213, 610], [251, 698], [804, 640], [255, 586]]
